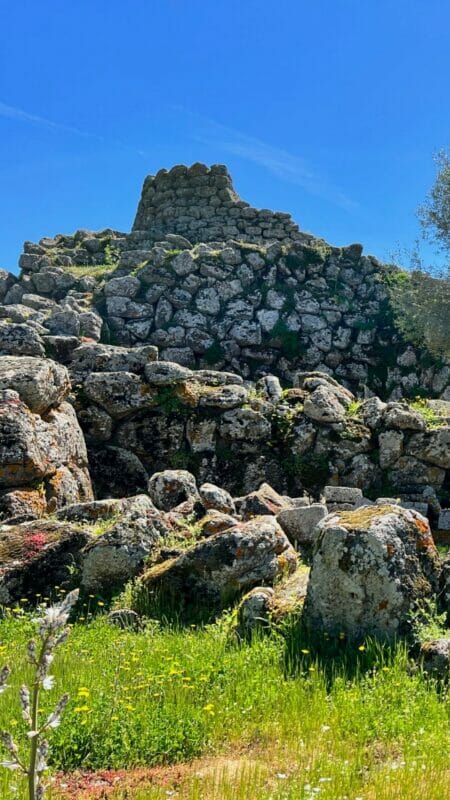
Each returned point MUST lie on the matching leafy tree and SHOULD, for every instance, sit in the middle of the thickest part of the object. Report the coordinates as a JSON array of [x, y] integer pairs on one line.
[[434, 214], [420, 298]]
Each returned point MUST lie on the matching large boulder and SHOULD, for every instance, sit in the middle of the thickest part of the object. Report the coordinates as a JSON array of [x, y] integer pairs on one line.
[[45, 451], [37, 556], [370, 569], [132, 531], [20, 339], [213, 573], [40, 383]]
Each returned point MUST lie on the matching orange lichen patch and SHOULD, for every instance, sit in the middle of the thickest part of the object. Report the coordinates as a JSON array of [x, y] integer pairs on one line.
[[362, 517], [33, 499], [56, 481], [390, 550], [189, 393], [422, 525]]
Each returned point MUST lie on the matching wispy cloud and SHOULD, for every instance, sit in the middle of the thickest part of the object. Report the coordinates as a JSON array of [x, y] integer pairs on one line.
[[18, 114], [279, 162], [12, 112]]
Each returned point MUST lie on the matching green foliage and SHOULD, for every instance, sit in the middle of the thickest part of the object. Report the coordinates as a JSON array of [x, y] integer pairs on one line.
[[215, 353], [311, 469], [169, 401], [291, 345], [311, 708], [421, 307], [111, 256], [427, 622], [431, 417], [97, 271], [293, 261], [435, 212], [354, 408]]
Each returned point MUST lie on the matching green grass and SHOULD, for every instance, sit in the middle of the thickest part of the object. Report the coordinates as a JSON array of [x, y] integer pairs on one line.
[[92, 270], [358, 725], [431, 417]]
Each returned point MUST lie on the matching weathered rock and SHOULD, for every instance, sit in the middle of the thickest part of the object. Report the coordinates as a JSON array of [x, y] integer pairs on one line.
[[435, 657], [223, 397], [402, 417], [120, 552], [300, 524], [20, 339], [216, 571], [264, 501], [119, 393], [337, 496], [264, 605], [110, 358], [215, 522], [39, 382], [433, 447], [37, 556], [323, 406], [444, 520], [22, 504], [166, 373], [370, 568], [216, 498], [171, 487]]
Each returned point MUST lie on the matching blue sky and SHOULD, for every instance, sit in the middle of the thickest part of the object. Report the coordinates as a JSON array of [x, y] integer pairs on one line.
[[328, 109]]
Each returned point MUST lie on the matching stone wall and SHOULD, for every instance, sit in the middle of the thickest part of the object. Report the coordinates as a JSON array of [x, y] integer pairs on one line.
[[200, 203], [141, 415], [264, 298]]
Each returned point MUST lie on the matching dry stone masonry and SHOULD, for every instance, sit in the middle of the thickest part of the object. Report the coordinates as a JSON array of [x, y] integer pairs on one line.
[[209, 403]]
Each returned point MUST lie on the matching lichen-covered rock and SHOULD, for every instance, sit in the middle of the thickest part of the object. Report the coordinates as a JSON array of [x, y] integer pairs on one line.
[[110, 358], [213, 573], [264, 605], [22, 458], [370, 568], [300, 524], [264, 501], [213, 497], [40, 383], [120, 552], [20, 339], [171, 487], [22, 504], [119, 393], [37, 556], [323, 405], [435, 657], [166, 373]]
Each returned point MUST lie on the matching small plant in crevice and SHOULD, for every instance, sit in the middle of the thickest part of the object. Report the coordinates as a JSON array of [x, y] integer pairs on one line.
[[431, 417], [291, 345], [52, 632]]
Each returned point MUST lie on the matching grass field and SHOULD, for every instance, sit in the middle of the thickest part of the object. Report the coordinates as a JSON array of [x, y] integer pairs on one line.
[[265, 719]]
